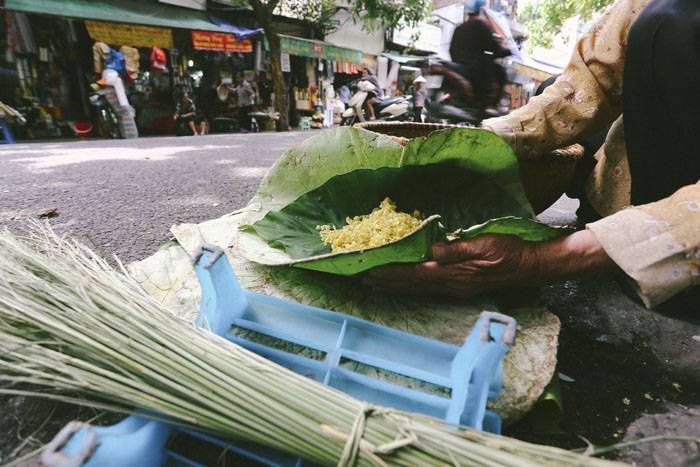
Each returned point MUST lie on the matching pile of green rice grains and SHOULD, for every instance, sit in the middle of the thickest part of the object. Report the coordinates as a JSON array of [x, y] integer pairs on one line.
[[383, 225], [69, 323]]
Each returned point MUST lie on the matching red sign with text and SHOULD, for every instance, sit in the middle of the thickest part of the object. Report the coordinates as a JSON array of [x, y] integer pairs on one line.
[[203, 40]]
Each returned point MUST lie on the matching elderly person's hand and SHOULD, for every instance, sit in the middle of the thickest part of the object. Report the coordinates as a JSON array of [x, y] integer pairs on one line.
[[464, 268]]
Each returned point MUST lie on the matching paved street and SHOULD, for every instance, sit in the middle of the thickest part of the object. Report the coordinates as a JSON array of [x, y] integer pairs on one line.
[[630, 372], [126, 194]]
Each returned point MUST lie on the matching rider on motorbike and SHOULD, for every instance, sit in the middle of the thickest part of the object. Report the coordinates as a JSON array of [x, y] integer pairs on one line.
[[474, 46], [368, 75]]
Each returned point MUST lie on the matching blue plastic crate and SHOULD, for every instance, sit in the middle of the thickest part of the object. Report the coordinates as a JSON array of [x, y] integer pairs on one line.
[[469, 374]]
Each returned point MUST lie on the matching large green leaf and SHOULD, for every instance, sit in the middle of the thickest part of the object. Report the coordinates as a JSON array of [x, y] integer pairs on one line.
[[467, 177], [309, 164]]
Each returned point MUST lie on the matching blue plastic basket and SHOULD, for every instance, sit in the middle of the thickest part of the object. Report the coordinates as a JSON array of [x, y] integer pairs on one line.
[[469, 375]]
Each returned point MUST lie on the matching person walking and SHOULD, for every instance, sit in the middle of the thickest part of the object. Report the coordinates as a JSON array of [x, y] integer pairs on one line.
[[420, 96], [246, 96]]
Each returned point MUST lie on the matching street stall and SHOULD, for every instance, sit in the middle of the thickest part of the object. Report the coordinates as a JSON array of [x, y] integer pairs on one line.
[[139, 88], [41, 75], [314, 70], [216, 59], [423, 40], [157, 45]]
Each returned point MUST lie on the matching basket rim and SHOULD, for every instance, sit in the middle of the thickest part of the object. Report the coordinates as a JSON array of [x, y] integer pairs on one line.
[[573, 151]]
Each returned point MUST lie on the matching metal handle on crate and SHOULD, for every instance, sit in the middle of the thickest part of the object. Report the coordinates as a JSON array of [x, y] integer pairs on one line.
[[508, 334], [215, 250], [477, 371], [222, 296], [52, 457]]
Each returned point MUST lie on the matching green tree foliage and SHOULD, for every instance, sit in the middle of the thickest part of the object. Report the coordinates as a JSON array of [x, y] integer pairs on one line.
[[544, 18]]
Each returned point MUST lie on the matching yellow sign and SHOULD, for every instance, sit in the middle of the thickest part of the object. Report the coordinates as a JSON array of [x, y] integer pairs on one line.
[[130, 34]]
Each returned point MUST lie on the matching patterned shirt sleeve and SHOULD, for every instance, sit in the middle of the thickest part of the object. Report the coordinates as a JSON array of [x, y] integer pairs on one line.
[[657, 245], [586, 98]]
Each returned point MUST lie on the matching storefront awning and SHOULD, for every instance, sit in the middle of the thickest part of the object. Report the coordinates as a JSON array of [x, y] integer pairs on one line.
[[124, 11], [404, 58], [526, 66], [317, 49], [239, 31]]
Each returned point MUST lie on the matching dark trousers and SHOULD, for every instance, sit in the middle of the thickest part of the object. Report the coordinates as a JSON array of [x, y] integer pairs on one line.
[[243, 118], [417, 114]]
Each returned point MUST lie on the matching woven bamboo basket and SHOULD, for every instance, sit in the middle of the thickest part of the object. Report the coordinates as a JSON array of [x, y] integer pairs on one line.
[[545, 178]]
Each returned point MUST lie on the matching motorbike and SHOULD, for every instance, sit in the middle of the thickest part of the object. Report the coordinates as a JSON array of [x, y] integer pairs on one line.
[[387, 109], [454, 99]]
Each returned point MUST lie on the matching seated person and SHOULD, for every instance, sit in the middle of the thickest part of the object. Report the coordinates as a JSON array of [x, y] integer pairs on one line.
[[185, 112]]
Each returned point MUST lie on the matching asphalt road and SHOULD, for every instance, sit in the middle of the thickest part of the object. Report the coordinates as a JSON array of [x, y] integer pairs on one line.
[[635, 372], [126, 194]]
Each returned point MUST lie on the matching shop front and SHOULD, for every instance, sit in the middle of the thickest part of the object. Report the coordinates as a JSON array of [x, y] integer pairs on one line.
[[56, 53], [314, 70], [401, 68], [210, 62], [42, 75]]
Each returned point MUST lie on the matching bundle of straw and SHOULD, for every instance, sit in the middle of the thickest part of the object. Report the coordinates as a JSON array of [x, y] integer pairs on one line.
[[68, 322]]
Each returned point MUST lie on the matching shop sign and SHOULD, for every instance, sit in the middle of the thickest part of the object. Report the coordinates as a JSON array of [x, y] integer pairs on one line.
[[286, 65], [130, 34], [220, 42], [304, 48], [428, 37]]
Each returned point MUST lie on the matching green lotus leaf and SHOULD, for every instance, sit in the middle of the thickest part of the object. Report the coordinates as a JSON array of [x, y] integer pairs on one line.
[[466, 180]]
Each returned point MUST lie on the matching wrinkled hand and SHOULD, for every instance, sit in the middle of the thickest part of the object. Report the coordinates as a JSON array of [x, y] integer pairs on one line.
[[467, 267], [462, 268]]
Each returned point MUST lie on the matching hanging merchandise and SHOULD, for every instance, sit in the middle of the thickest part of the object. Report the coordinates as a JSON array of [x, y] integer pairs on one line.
[[116, 62], [44, 54], [19, 33], [131, 61], [329, 70], [112, 59], [110, 77], [158, 60]]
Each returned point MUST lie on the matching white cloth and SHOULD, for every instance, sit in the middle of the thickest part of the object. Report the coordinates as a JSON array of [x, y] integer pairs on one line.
[[112, 78]]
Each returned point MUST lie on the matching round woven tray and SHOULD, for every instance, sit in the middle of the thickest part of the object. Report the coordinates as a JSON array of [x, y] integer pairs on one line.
[[545, 178]]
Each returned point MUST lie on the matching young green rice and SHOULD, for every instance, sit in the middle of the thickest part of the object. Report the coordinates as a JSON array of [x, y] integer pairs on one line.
[[383, 225]]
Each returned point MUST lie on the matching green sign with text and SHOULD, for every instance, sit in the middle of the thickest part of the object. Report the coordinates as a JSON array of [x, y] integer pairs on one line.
[[306, 48]]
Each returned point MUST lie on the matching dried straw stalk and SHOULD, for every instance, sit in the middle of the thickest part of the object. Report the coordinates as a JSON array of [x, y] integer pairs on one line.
[[69, 322]]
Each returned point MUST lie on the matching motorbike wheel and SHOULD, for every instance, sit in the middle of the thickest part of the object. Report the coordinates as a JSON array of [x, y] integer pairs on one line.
[[111, 122], [348, 121]]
